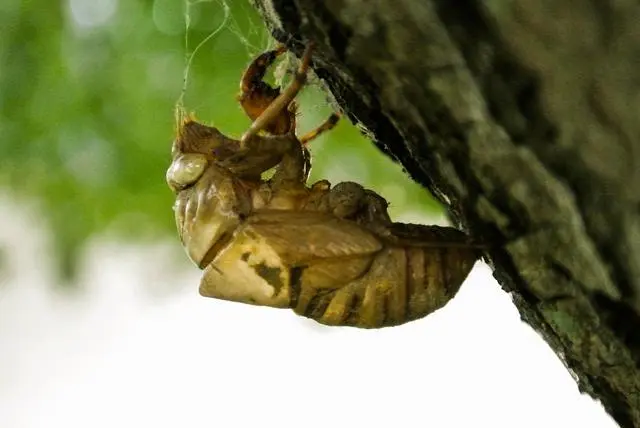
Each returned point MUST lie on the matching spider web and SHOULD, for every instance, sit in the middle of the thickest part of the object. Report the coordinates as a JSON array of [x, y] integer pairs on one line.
[[228, 23], [314, 107], [180, 110]]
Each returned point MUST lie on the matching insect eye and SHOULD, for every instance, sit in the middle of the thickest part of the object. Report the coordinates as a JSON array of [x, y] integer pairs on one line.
[[185, 170]]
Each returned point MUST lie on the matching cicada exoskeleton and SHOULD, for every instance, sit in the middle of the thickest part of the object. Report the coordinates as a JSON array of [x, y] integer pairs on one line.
[[330, 254]]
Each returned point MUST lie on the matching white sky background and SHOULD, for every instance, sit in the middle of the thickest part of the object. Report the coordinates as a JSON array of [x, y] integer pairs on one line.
[[140, 348]]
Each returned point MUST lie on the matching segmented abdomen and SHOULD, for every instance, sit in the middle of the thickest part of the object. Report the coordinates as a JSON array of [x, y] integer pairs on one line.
[[405, 281]]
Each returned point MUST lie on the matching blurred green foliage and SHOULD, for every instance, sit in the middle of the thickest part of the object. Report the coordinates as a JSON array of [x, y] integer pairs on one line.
[[87, 97]]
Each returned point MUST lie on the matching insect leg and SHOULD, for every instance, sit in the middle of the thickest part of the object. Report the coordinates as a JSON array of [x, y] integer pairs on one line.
[[293, 168], [254, 74], [256, 95], [327, 125], [281, 103], [263, 152]]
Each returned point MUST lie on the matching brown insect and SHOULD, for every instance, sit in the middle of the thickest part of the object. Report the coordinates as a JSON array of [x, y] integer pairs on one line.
[[330, 254]]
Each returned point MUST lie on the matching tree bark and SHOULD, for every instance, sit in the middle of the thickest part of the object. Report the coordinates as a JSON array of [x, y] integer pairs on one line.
[[522, 117]]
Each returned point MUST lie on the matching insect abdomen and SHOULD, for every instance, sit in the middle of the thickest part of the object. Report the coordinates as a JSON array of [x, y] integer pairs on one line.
[[402, 284], [434, 276]]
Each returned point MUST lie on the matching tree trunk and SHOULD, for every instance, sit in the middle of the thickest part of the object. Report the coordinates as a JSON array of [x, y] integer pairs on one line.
[[522, 117]]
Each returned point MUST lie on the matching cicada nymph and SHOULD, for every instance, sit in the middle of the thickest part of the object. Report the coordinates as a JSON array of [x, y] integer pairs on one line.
[[329, 253]]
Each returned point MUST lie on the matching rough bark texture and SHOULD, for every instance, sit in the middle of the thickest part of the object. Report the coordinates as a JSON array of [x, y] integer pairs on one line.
[[522, 117]]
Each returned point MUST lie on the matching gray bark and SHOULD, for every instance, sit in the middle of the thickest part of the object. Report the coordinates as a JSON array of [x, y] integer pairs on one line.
[[522, 117]]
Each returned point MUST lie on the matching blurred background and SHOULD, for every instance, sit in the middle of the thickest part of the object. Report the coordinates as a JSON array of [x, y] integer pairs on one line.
[[100, 319]]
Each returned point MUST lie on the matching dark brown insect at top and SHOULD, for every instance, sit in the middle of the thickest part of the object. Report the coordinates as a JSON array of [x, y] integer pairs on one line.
[[330, 254]]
